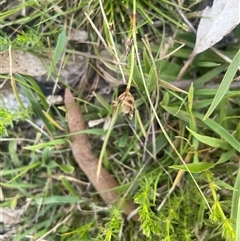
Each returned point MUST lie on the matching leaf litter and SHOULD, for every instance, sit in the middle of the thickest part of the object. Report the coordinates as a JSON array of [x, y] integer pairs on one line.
[[10, 219], [105, 184], [21, 62], [216, 22]]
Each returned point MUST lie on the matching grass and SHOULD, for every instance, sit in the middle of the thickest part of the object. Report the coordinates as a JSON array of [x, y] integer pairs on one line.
[[177, 157]]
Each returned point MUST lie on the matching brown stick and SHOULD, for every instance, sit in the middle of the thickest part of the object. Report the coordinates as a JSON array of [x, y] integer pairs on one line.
[[106, 185]]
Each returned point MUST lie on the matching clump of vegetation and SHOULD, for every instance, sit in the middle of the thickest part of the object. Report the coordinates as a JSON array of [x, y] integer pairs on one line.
[[173, 146]]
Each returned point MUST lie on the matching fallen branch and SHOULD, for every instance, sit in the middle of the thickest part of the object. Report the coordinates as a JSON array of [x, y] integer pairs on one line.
[[106, 185]]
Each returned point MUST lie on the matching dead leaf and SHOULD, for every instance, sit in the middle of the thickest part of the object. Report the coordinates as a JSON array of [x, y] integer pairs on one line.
[[10, 221], [78, 36], [8, 99], [177, 86], [73, 73], [21, 62], [105, 184], [216, 22], [109, 69], [10, 217]]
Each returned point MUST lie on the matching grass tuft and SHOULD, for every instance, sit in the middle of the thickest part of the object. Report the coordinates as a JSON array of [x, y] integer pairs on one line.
[[173, 146]]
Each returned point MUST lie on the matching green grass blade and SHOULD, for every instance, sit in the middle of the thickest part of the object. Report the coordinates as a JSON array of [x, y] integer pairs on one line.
[[235, 210], [224, 86], [210, 141], [61, 43], [69, 186], [194, 167], [51, 144], [218, 129], [37, 106], [238, 221], [208, 76], [57, 199], [22, 169]]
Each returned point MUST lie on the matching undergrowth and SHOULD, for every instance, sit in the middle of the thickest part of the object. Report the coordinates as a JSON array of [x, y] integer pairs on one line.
[[181, 169]]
